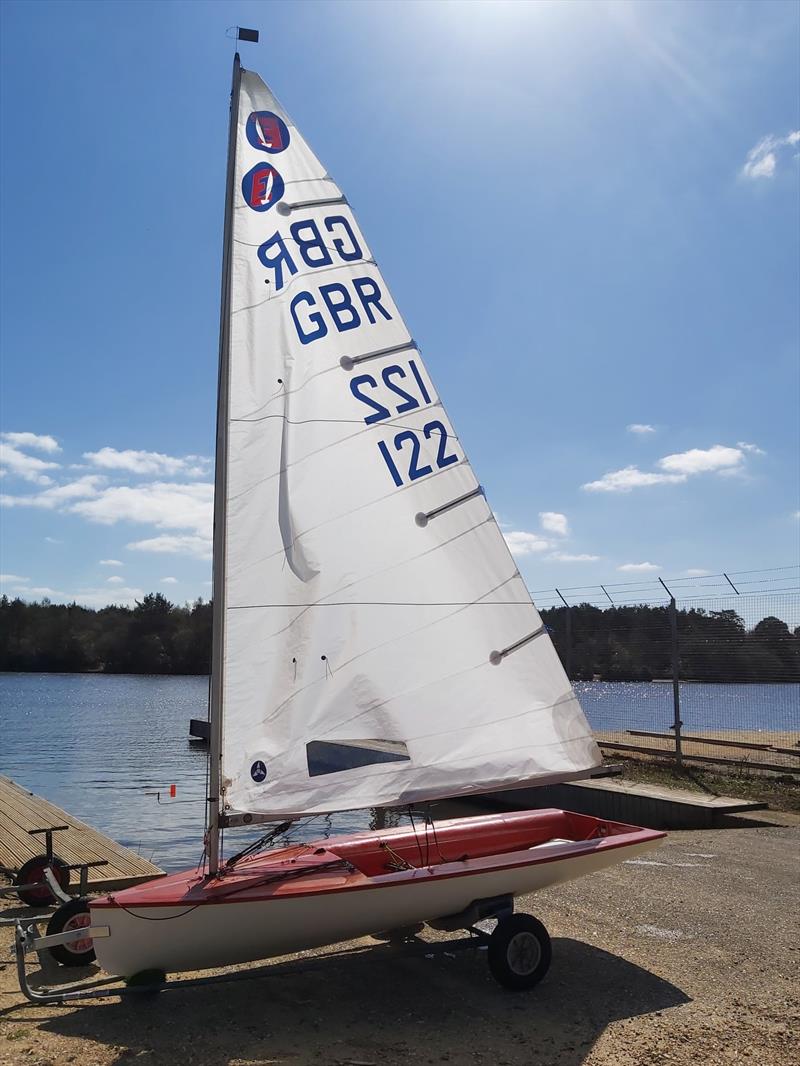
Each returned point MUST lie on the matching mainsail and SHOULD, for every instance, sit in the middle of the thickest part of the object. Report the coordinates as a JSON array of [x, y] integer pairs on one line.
[[377, 645]]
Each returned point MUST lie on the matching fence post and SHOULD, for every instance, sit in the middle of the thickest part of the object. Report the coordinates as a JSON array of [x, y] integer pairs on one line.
[[568, 648], [676, 682], [676, 675]]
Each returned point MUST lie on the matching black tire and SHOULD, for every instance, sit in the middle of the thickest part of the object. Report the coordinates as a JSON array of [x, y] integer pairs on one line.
[[71, 915], [519, 951], [32, 872], [400, 935], [149, 982]]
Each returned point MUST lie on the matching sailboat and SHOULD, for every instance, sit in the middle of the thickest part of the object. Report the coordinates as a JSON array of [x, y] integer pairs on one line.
[[374, 644]]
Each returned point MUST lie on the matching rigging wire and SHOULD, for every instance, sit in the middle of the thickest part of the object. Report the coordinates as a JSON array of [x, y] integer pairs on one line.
[[416, 835], [429, 818], [263, 841], [283, 875]]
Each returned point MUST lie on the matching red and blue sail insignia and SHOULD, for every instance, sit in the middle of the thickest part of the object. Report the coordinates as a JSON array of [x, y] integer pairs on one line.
[[267, 132], [262, 187]]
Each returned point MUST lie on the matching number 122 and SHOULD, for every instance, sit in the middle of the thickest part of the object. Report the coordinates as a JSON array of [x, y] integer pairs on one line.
[[416, 471]]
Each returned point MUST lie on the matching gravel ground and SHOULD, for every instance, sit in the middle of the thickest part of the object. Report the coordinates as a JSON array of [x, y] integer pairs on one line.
[[687, 956]]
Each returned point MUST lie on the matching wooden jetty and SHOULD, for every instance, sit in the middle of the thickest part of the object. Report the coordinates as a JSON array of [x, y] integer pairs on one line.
[[21, 811]]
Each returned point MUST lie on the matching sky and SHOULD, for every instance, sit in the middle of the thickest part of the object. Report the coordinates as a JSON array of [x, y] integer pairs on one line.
[[587, 214]]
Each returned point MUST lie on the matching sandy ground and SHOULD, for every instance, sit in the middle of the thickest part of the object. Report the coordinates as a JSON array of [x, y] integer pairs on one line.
[[749, 758], [689, 955]]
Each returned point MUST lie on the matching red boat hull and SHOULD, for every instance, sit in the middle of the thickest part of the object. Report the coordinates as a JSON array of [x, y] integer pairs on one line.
[[331, 890]]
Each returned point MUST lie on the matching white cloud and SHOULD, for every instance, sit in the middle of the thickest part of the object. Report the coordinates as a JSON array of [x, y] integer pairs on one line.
[[553, 522], [186, 507], [641, 428], [198, 547], [165, 505], [91, 597], [31, 593], [696, 571], [115, 580], [630, 477], [123, 596], [762, 160], [13, 579], [522, 543], [719, 459], [638, 568], [141, 462], [565, 557], [703, 460], [169, 581], [53, 540], [753, 449], [36, 441], [58, 495], [761, 165], [27, 467]]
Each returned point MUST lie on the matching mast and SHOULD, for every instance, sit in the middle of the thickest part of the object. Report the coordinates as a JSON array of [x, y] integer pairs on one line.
[[220, 496]]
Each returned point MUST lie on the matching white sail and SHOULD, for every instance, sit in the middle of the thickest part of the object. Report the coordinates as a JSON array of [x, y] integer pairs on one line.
[[380, 646]]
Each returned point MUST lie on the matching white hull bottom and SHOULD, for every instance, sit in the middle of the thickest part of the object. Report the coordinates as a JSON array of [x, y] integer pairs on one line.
[[180, 938]]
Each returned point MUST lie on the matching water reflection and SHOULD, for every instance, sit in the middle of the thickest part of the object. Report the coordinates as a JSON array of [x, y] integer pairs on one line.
[[102, 746], [97, 744]]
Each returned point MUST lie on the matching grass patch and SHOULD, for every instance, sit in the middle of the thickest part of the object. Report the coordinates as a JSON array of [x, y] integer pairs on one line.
[[782, 793]]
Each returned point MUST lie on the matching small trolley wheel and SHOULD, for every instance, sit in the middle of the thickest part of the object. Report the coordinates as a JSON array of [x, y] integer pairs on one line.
[[399, 935], [72, 915], [32, 873], [519, 951], [149, 981]]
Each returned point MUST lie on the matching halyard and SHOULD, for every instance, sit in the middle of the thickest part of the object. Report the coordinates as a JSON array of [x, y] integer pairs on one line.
[[688, 955]]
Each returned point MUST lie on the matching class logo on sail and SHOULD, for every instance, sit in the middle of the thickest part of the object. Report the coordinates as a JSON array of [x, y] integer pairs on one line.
[[262, 187], [267, 132], [258, 771]]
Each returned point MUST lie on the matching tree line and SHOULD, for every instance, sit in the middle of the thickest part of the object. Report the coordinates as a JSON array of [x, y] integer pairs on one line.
[[154, 637], [614, 644], [635, 644]]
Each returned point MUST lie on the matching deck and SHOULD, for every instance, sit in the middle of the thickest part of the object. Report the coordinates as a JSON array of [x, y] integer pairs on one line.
[[21, 810]]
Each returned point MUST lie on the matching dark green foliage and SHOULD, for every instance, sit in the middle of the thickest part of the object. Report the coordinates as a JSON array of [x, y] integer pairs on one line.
[[634, 644], [154, 637], [618, 644]]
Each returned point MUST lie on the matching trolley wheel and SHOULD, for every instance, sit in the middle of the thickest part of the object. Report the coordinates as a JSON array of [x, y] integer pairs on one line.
[[400, 934], [32, 873], [148, 980], [519, 951], [72, 915]]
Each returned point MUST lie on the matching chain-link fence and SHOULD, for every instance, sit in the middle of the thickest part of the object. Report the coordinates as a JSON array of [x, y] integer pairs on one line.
[[702, 669]]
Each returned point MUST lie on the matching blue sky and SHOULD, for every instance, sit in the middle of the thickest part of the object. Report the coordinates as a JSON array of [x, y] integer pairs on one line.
[[587, 213]]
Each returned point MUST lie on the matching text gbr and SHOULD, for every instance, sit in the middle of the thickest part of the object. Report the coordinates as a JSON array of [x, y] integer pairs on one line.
[[349, 306]]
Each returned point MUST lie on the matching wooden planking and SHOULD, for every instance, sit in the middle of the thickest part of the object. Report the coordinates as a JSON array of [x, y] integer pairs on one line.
[[21, 810]]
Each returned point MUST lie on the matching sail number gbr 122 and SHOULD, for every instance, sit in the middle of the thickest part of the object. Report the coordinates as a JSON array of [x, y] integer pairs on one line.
[[398, 389], [344, 307]]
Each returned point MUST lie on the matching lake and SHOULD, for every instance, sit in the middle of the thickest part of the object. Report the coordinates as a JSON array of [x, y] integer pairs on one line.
[[97, 744]]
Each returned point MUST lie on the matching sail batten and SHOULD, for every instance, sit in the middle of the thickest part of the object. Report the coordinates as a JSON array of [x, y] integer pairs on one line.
[[380, 646]]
